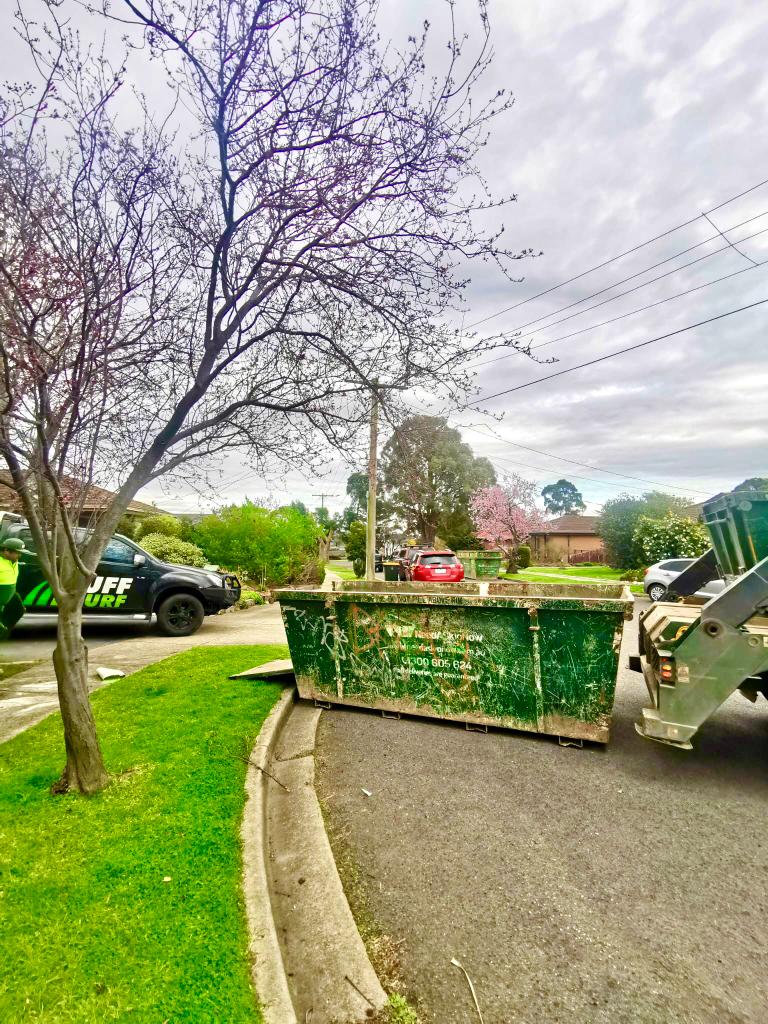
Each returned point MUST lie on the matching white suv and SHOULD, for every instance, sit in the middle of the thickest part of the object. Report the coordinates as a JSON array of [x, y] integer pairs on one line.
[[659, 576]]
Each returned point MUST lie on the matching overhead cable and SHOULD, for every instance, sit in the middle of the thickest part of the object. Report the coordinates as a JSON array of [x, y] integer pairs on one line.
[[621, 316], [619, 352], [586, 465], [613, 259]]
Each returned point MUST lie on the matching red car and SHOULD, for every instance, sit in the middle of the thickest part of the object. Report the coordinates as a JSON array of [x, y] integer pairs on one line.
[[436, 567]]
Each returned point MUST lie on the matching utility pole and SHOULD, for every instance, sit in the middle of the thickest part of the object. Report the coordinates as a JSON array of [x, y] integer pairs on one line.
[[370, 538], [322, 498]]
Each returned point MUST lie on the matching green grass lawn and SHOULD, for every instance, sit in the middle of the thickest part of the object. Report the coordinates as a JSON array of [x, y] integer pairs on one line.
[[346, 574], [601, 572], [127, 906], [579, 574]]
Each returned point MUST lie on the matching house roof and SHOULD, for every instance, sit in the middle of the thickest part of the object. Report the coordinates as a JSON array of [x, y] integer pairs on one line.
[[96, 499], [571, 524]]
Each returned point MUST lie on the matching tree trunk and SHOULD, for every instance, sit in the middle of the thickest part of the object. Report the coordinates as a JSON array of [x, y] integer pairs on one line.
[[429, 533], [511, 554], [84, 771], [324, 547]]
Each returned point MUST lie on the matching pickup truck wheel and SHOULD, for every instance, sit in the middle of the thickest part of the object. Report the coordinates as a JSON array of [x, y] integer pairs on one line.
[[180, 615]]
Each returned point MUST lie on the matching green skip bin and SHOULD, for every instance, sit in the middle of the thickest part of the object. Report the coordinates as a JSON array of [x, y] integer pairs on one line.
[[538, 657], [481, 565]]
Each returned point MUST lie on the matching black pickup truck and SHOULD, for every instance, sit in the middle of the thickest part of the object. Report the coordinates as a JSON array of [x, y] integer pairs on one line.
[[131, 583]]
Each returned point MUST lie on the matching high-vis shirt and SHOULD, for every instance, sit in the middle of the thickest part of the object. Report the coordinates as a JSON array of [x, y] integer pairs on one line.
[[9, 572]]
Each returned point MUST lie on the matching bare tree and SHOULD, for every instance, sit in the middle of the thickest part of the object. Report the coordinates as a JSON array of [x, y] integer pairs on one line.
[[167, 297]]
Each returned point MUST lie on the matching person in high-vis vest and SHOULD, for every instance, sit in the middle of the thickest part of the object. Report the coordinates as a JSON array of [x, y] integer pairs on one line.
[[11, 607]]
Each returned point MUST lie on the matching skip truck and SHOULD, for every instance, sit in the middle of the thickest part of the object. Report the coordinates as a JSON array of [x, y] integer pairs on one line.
[[694, 653]]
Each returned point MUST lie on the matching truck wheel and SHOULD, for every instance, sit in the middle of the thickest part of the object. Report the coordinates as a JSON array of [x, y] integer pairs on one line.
[[180, 615], [656, 591]]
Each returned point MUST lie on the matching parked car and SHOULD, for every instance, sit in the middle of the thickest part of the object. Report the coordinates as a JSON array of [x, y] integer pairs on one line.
[[436, 567], [131, 583], [407, 557], [378, 562], [659, 576]]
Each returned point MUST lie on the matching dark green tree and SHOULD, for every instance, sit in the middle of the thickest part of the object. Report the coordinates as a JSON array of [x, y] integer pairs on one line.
[[458, 531], [754, 483], [357, 491], [355, 547], [562, 498], [429, 474], [619, 518]]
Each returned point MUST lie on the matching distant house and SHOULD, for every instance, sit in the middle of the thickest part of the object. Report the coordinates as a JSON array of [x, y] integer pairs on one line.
[[96, 499], [570, 538]]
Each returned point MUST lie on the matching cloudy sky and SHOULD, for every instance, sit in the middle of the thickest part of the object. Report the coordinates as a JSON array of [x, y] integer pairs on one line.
[[630, 119]]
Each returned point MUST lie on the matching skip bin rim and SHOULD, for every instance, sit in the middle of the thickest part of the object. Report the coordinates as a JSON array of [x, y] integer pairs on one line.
[[513, 595]]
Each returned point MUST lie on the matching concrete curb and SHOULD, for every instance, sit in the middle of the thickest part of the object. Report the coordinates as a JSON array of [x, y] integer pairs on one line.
[[330, 976], [267, 968], [307, 956]]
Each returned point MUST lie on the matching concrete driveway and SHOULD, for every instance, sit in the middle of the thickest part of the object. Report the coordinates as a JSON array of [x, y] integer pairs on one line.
[[34, 638], [621, 885], [30, 695]]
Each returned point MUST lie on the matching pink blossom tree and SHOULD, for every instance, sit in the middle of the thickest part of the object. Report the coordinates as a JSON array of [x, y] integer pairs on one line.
[[506, 514]]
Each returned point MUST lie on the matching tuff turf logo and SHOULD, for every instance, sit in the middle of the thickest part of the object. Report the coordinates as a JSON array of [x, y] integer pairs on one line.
[[104, 592]]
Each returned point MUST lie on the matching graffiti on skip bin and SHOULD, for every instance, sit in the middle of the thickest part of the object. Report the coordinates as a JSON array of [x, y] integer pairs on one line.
[[104, 592], [404, 649]]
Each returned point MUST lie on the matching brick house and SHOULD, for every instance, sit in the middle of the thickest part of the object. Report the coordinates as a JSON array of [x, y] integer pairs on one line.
[[571, 538], [92, 503]]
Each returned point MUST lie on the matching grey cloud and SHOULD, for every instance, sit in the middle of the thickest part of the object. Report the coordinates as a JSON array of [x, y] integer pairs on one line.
[[629, 117]]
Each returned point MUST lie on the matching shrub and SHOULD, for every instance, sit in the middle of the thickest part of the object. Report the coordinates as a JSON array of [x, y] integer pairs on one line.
[[633, 576], [672, 536], [127, 527], [171, 549], [312, 572], [523, 556], [259, 544], [354, 543], [358, 567], [251, 595], [167, 525], [619, 519]]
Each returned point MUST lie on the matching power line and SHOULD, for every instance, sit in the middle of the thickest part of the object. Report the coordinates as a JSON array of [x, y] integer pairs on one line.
[[619, 352], [323, 496], [621, 255], [637, 287], [643, 284], [733, 245], [576, 476], [622, 316], [575, 462], [629, 291]]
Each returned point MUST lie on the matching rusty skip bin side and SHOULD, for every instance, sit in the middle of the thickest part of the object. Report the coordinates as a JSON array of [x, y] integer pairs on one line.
[[537, 657]]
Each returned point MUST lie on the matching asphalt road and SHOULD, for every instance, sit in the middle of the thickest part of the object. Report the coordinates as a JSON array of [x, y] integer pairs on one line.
[[621, 885]]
